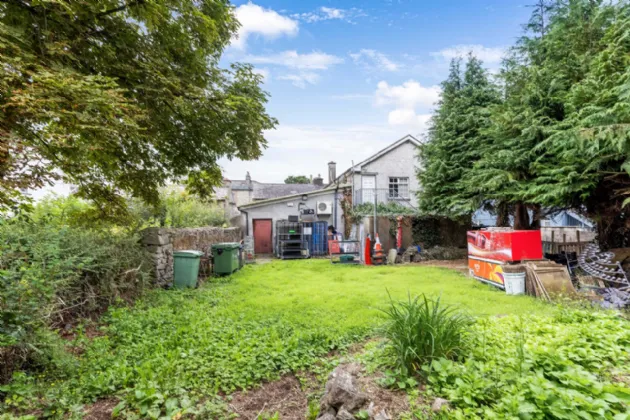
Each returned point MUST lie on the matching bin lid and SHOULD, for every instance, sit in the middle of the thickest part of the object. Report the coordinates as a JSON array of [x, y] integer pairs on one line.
[[188, 253], [226, 245]]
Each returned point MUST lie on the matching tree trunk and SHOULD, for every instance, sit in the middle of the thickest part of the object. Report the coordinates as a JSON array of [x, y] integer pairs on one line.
[[521, 217], [536, 216], [611, 218], [503, 215]]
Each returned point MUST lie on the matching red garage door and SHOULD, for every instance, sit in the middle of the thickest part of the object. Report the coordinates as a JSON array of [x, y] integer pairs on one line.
[[262, 236]]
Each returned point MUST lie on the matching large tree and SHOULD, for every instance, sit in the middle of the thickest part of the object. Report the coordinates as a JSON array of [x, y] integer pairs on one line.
[[586, 159], [121, 96], [560, 136], [456, 140], [537, 77]]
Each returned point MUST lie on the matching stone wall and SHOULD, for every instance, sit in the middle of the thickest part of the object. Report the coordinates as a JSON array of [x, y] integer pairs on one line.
[[161, 242]]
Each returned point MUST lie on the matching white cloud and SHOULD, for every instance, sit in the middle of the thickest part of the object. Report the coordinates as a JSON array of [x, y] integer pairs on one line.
[[260, 21], [301, 79], [264, 72], [408, 95], [314, 146], [312, 61], [374, 60], [489, 55], [330, 13], [411, 103], [408, 117]]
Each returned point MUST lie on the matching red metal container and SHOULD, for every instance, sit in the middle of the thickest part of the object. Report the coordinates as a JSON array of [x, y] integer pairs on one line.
[[505, 246], [489, 250]]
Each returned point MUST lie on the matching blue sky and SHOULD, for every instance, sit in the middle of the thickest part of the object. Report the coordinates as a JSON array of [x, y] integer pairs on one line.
[[348, 78]]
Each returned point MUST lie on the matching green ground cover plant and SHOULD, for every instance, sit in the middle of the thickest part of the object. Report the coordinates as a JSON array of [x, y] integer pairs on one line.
[[570, 365], [172, 352], [529, 367]]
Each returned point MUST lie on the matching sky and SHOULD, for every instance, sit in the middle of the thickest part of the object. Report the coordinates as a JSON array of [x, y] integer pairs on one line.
[[347, 78]]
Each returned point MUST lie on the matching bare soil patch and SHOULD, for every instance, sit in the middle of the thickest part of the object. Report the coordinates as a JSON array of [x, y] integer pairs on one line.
[[459, 265], [283, 396], [100, 410], [286, 397], [394, 402]]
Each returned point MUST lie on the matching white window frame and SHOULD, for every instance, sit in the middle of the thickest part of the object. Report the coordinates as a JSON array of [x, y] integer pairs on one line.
[[398, 188], [368, 192]]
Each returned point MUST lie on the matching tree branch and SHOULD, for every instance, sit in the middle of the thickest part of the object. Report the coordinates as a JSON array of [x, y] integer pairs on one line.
[[120, 8], [22, 5]]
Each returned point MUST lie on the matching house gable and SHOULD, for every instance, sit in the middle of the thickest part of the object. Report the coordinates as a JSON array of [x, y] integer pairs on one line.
[[408, 142]]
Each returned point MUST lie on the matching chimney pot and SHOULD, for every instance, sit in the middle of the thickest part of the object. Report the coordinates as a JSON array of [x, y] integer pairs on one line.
[[318, 180], [332, 172]]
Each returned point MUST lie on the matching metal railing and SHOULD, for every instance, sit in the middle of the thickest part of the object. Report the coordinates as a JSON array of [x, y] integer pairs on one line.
[[383, 196]]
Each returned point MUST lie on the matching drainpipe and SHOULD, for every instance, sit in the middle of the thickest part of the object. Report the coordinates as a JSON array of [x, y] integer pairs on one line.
[[352, 183], [246, 222], [335, 206]]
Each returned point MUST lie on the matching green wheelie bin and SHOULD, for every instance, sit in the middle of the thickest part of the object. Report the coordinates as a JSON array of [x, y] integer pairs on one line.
[[186, 268], [226, 257]]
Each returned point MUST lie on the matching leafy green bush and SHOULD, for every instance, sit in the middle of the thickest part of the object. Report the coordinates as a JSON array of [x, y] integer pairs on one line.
[[561, 367], [421, 330], [52, 274], [173, 350], [178, 209], [383, 209]]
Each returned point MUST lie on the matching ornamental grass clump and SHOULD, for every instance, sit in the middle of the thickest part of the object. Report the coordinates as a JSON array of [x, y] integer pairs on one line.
[[420, 330]]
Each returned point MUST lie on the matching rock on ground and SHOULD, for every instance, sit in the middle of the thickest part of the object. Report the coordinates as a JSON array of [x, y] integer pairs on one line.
[[343, 398], [439, 404]]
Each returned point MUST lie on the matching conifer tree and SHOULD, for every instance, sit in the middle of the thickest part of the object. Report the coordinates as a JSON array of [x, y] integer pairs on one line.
[[456, 140]]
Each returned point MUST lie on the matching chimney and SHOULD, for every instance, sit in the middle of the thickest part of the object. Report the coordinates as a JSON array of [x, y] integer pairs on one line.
[[332, 172], [318, 180], [248, 179]]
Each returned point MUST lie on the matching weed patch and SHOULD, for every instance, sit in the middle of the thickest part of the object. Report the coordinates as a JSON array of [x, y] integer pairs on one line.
[[535, 367], [178, 352]]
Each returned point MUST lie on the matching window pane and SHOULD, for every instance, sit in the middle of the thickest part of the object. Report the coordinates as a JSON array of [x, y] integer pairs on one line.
[[398, 187]]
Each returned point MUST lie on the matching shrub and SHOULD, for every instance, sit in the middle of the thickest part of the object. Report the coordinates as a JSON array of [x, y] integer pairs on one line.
[[421, 330], [178, 209], [52, 274]]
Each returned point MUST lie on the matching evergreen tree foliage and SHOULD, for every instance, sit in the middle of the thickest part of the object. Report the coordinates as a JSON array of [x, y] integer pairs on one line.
[[456, 140], [558, 138], [121, 96]]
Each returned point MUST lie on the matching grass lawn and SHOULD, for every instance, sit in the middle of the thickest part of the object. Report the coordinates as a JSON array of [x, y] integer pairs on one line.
[[175, 352], [316, 292]]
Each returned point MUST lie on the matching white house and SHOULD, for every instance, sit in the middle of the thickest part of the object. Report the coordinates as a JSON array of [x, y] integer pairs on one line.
[[387, 176]]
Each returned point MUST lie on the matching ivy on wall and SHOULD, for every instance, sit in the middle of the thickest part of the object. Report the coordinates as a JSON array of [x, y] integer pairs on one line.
[[426, 230]]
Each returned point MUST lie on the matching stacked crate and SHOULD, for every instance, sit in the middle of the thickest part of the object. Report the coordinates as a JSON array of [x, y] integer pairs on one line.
[[290, 242]]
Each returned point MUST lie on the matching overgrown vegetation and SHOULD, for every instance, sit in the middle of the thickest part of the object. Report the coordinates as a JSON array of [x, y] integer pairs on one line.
[[561, 367], [178, 209], [173, 351], [569, 365], [390, 208], [51, 275], [64, 261]]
